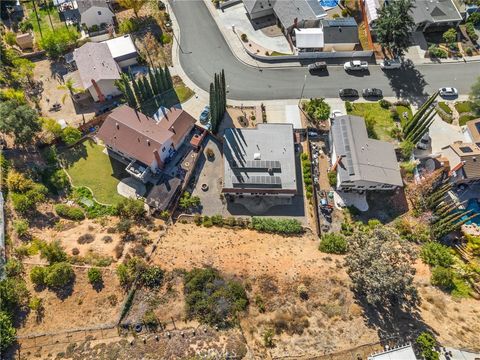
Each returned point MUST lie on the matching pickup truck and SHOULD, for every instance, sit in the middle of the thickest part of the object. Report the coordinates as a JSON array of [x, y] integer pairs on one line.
[[355, 65]]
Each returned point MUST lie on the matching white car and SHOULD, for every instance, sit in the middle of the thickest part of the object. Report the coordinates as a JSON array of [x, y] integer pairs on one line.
[[355, 65], [448, 91], [335, 113], [390, 64]]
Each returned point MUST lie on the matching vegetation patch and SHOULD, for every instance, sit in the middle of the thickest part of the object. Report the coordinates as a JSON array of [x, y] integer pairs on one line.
[[464, 107], [333, 243], [69, 212], [277, 226], [212, 299], [307, 175], [463, 119], [445, 108]]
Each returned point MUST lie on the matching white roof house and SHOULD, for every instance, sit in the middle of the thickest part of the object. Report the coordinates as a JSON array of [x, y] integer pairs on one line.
[[309, 38], [292, 115], [371, 7], [123, 50], [400, 353]]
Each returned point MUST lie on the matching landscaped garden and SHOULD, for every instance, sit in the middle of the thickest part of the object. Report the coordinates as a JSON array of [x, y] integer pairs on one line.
[[380, 117], [88, 166], [465, 111]]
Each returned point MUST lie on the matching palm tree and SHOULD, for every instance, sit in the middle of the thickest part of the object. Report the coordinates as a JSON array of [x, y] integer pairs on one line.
[[72, 90]]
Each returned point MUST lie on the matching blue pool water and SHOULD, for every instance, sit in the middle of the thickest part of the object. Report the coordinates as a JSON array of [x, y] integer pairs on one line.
[[473, 205], [327, 4]]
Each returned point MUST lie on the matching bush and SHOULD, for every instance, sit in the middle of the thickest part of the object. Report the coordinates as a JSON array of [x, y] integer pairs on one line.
[[445, 108], [436, 52], [13, 268], [59, 180], [450, 36], [277, 226], [345, 12], [385, 103], [71, 135], [469, 51], [7, 331], [94, 276], [217, 220], [59, 275], [427, 344], [406, 148], [85, 239], [124, 226], [317, 109], [348, 106], [128, 26], [470, 29], [209, 152], [442, 277], [107, 239], [332, 178], [131, 208], [152, 277], [333, 243], [69, 212], [268, 335], [38, 275], [244, 37], [166, 39], [58, 42], [436, 254], [10, 38], [53, 252], [17, 182], [21, 227], [150, 319]]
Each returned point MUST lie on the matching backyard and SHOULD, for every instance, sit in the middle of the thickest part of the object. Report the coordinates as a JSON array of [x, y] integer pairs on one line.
[[380, 120], [87, 165], [48, 17]]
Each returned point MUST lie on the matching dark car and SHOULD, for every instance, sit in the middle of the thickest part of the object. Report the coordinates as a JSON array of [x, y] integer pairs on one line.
[[372, 92], [348, 93], [318, 66]]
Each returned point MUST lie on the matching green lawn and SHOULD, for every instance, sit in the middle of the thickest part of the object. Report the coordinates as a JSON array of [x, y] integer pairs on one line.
[[88, 166], [382, 120], [446, 109], [44, 19], [183, 92], [180, 94], [463, 119], [464, 107]]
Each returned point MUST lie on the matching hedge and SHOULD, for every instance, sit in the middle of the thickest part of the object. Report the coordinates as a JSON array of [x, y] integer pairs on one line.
[[69, 212], [277, 226]]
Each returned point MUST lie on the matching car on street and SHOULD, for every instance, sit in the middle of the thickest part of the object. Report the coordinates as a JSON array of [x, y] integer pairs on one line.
[[355, 65], [348, 93], [205, 115], [387, 64], [448, 91], [318, 66], [372, 93]]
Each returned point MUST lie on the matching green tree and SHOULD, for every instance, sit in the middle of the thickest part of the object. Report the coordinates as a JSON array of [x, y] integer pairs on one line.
[[13, 294], [135, 5], [475, 96], [317, 109], [53, 252], [58, 42], [71, 88], [94, 276], [450, 36], [333, 243], [442, 277], [38, 275], [7, 331], [427, 343], [71, 135], [59, 275], [187, 201], [18, 120], [394, 26], [131, 208], [51, 129], [407, 147], [379, 263], [22, 70], [434, 254]]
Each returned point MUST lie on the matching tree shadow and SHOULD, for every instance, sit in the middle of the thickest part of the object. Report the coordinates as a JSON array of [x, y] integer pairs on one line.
[[69, 156], [408, 83], [98, 285], [66, 290]]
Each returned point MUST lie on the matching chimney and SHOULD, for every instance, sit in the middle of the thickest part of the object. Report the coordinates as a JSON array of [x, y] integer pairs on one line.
[[101, 97], [172, 129], [158, 159]]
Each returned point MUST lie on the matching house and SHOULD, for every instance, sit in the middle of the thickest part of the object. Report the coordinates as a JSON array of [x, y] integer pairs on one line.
[[95, 13], [331, 35], [143, 142], [97, 71], [25, 41], [361, 163], [473, 131], [259, 162], [289, 14], [371, 10], [463, 162], [404, 352], [123, 50], [435, 15]]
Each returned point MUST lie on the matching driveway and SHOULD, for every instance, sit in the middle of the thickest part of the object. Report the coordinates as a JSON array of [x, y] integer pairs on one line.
[[204, 52], [443, 134]]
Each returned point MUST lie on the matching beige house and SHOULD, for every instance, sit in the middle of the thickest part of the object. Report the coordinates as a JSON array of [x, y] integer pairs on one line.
[[463, 161], [25, 41]]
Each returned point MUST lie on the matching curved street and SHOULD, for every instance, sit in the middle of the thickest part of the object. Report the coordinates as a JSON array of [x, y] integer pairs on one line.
[[204, 51]]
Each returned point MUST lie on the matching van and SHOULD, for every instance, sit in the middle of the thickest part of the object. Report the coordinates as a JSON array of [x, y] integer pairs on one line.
[[318, 66]]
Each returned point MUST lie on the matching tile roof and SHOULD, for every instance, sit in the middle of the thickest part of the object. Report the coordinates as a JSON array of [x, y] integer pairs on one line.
[[340, 31], [288, 11], [469, 154], [433, 11], [363, 158], [95, 62]]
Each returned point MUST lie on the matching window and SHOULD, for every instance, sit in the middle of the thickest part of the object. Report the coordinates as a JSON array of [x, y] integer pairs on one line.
[[360, 187], [372, 186]]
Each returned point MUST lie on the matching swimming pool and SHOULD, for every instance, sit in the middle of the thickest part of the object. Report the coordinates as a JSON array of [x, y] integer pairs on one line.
[[328, 4], [474, 206]]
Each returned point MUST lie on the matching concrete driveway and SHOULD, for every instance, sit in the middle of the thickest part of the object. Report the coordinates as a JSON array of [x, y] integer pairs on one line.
[[443, 134]]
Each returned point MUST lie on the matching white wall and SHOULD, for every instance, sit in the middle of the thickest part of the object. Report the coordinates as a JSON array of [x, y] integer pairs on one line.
[[339, 47], [97, 15], [363, 185], [107, 87], [128, 62]]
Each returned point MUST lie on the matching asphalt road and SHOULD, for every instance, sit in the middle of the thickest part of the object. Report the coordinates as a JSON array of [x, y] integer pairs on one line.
[[204, 51]]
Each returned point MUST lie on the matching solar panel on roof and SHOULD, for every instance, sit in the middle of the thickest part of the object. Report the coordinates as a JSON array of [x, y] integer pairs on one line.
[[260, 165], [257, 181]]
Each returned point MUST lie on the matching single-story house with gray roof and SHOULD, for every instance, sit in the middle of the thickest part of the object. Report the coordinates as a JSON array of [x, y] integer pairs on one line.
[[361, 163], [435, 15]]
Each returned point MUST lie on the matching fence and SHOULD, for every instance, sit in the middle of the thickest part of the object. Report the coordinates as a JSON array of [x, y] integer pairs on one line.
[[365, 55]]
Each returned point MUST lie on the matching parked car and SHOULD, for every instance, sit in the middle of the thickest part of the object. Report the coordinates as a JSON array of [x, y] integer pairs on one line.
[[355, 65], [312, 133], [387, 64], [448, 91], [348, 93], [205, 115], [318, 66], [335, 113], [372, 92]]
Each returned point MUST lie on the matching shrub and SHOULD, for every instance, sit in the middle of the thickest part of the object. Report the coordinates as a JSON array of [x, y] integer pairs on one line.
[[17, 182], [406, 148], [436, 254], [71, 135], [59, 180], [345, 12], [94, 276], [128, 26], [150, 319], [21, 227], [35, 304], [130, 208], [333, 243], [152, 277], [75, 251], [69, 212], [217, 220], [470, 29], [124, 226], [332, 178], [209, 152], [385, 103], [277, 226], [53, 252], [450, 36], [7, 331], [442, 277], [302, 292], [58, 42], [13, 268], [107, 239], [268, 336], [317, 109], [207, 222], [436, 52], [166, 39], [348, 106], [244, 37], [260, 303], [59, 275], [335, 16], [85, 239], [469, 51], [427, 344], [38, 275], [10, 38]]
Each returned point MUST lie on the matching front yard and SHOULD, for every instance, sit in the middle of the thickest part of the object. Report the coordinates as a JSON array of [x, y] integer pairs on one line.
[[87, 165], [380, 120]]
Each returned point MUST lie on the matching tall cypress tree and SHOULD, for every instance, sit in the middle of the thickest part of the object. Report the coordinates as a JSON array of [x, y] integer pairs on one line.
[[213, 111], [143, 90], [148, 88], [224, 91], [168, 77], [160, 75], [132, 102], [153, 82], [136, 90]]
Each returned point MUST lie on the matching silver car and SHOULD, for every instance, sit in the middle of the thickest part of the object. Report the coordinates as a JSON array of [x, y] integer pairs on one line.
[[448, 91]]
